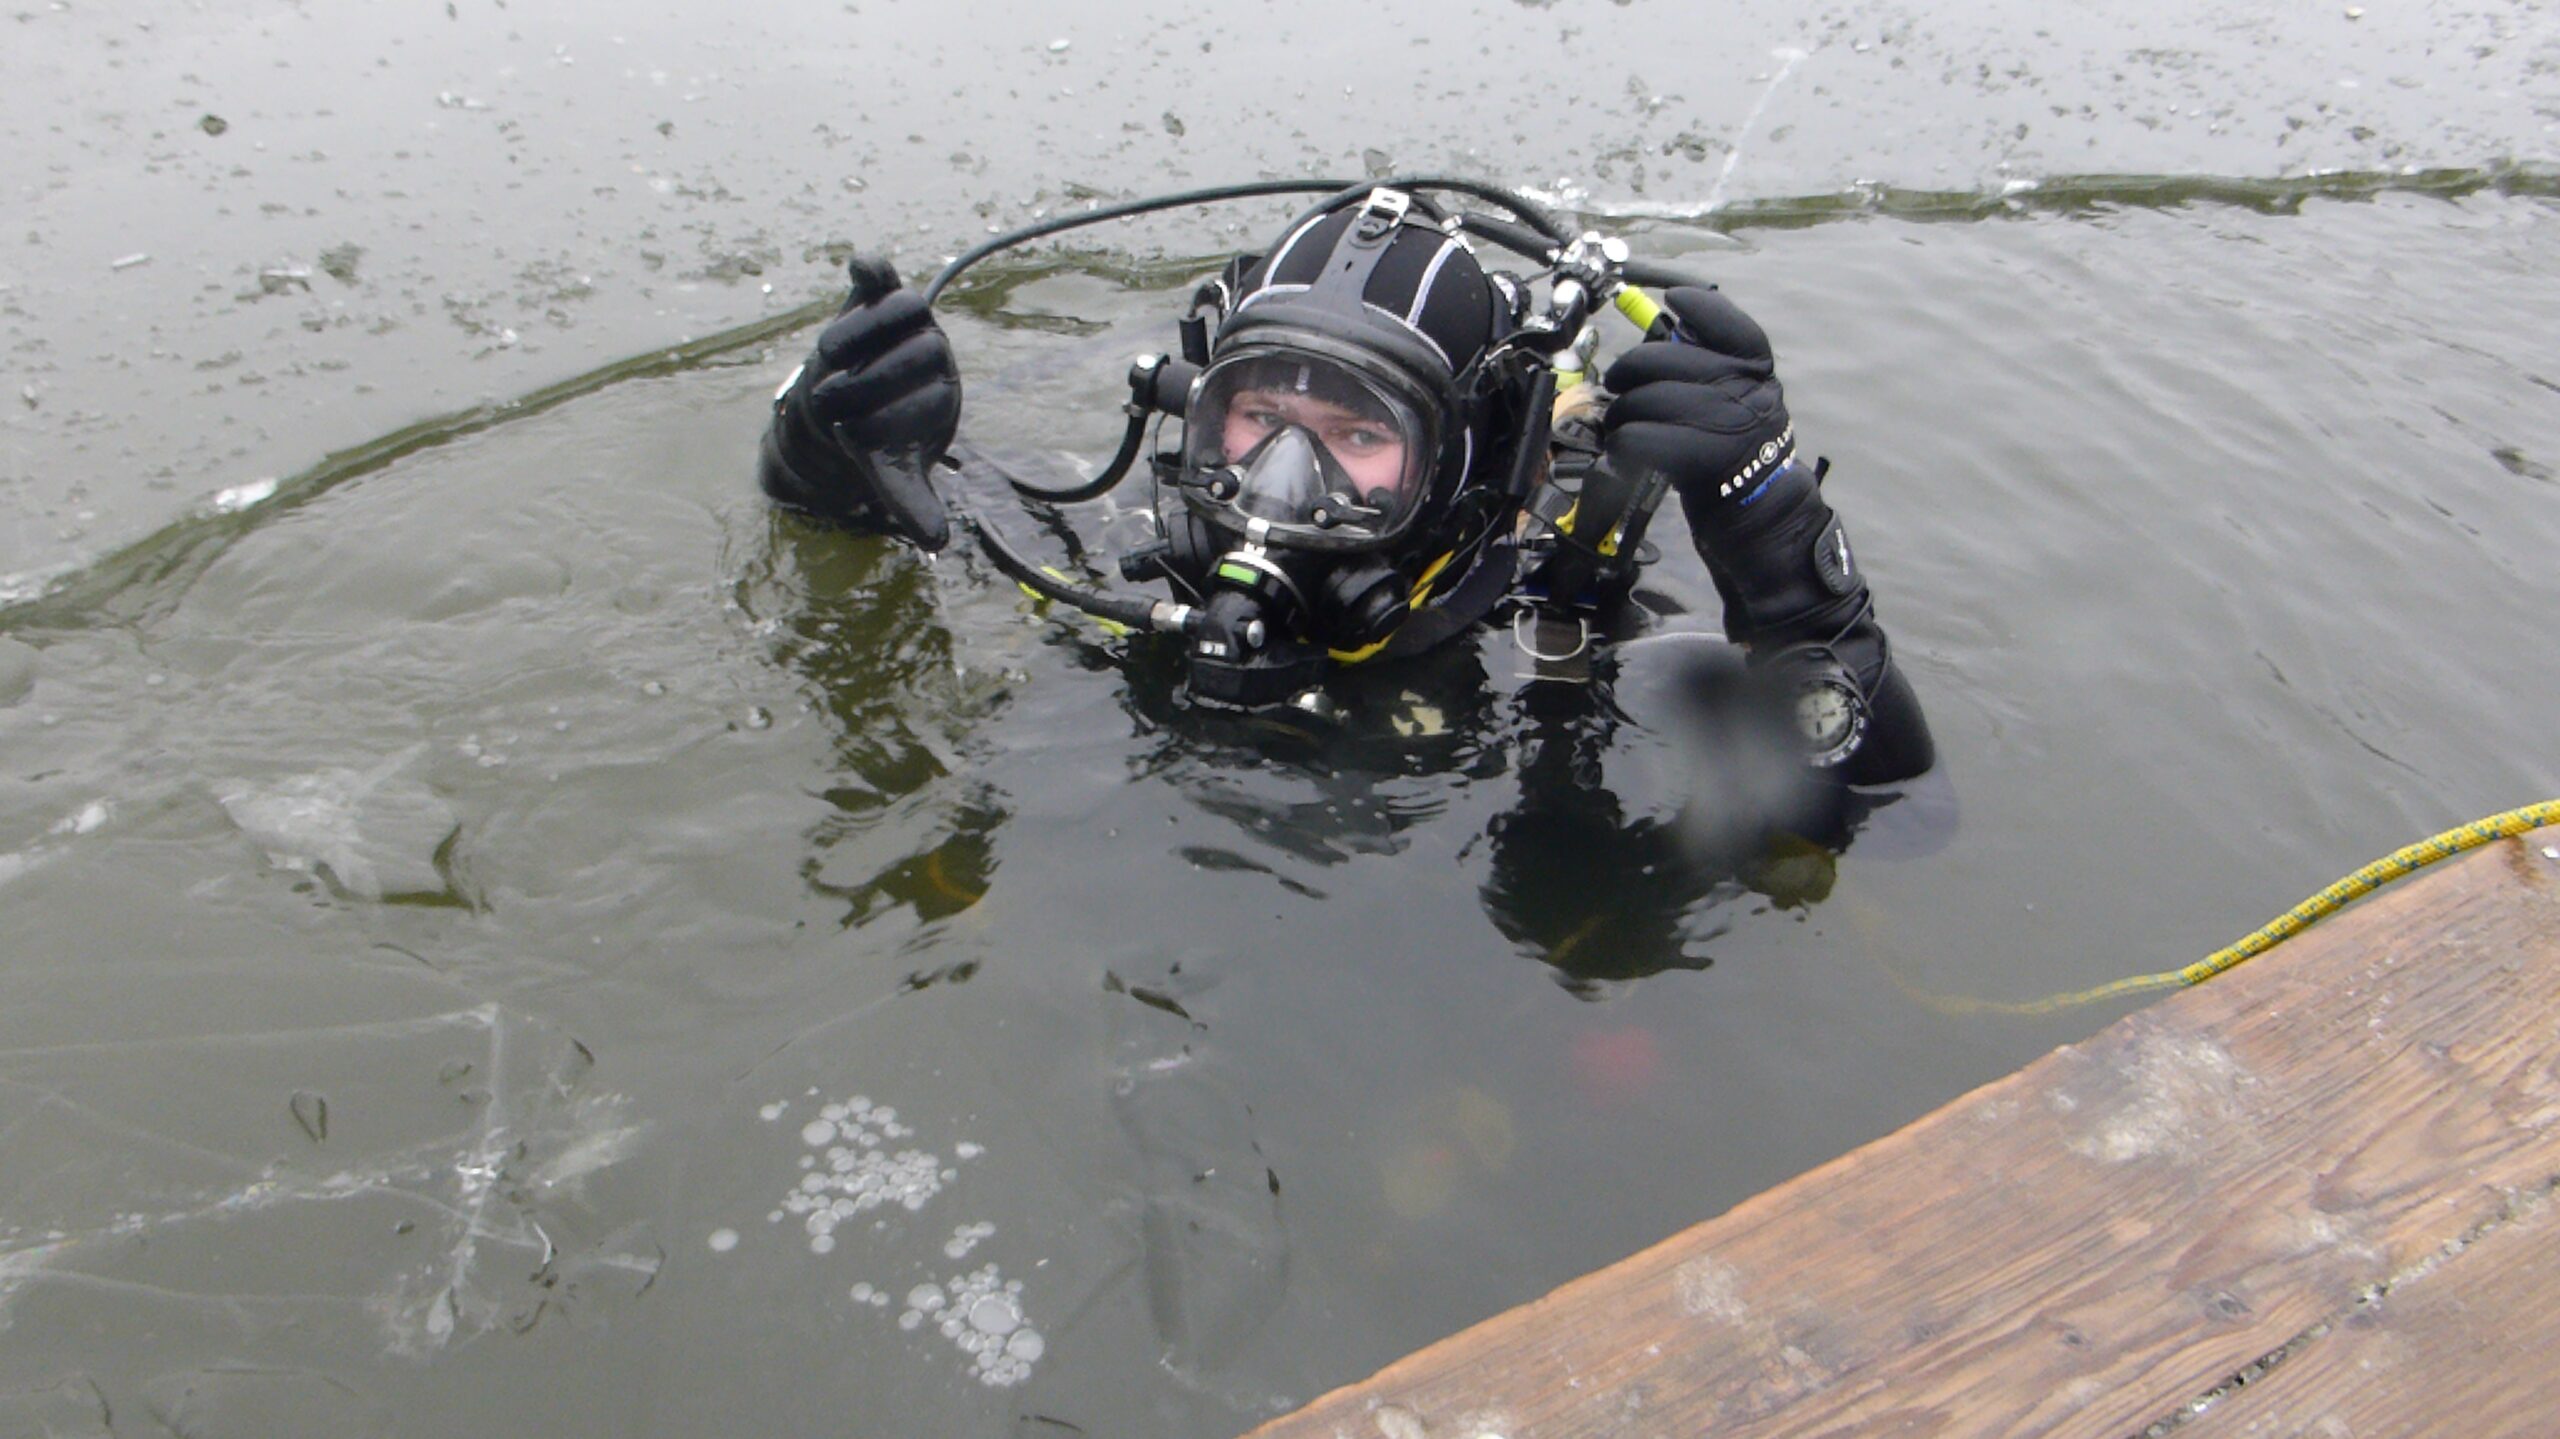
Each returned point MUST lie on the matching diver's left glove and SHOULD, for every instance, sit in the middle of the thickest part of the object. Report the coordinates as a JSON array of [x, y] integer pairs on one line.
[[1699, 403], [859, 427]]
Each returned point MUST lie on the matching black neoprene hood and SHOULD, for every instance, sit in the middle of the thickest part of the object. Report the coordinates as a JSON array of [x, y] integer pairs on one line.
[[1426, 305], [1407, 293]]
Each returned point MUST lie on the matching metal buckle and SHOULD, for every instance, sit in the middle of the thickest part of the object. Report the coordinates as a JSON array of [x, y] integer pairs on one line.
[[1382, 212]]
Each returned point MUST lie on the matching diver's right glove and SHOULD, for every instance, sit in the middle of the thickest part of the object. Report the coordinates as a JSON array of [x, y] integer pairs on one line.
[[859, 427]]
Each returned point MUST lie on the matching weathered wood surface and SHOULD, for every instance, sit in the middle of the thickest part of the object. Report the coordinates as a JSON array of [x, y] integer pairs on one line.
[[2469, 1347], [2345, 1153]]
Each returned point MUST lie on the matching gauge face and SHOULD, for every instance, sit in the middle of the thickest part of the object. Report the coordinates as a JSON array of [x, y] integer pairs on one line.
[[1830, 715]]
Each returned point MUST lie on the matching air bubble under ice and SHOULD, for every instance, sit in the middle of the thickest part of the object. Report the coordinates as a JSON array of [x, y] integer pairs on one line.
[[848, 1169], [859, 1173], [981, 1314]]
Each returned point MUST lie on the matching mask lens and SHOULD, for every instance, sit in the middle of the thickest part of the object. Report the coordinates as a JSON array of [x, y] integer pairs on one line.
[[1323, 451]]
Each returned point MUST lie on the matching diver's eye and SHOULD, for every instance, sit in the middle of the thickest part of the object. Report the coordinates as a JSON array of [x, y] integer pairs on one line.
[[1262, 419], [1362, 439]]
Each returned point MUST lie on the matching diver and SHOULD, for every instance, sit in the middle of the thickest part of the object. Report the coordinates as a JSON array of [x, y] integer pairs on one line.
[[1384, 442]]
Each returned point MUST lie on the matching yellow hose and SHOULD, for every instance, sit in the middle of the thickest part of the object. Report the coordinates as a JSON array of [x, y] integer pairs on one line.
[[1640, 308], [2406, 861]]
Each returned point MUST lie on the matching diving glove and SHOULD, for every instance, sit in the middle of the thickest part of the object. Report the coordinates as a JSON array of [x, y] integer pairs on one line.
[[859, 427], [1699, 402]]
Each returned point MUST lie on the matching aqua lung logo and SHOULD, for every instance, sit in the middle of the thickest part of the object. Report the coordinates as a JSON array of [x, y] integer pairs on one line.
[[1772, 455]]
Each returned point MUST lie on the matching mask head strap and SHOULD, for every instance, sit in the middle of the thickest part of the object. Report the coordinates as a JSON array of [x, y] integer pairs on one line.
[[1343, 285]]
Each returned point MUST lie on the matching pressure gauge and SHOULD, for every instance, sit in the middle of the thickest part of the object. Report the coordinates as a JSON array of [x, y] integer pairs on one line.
[[1831, 715]]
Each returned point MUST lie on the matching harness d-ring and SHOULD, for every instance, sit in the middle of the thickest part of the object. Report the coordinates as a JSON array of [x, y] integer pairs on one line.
[[1582, 638]]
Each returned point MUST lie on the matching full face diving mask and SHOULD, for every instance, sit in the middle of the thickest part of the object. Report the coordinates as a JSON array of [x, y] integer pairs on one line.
[[1304, 445], [1303, 467]]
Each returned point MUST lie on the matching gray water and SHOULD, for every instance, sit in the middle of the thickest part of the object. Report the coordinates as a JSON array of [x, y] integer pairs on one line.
[[465, 918], [466, 905], [244, 234]]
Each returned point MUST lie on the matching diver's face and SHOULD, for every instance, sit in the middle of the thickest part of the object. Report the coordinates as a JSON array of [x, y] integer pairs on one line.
[[1368, 449]]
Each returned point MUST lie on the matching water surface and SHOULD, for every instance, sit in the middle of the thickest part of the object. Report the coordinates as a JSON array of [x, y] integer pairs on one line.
[[466, 921]]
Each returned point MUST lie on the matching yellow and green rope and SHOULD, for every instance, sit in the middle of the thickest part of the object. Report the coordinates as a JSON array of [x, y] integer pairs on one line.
[[2396, 865]]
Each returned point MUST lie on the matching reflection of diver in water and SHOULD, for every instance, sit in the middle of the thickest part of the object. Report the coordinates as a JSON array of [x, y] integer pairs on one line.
[[1646, 795], [857, 623], [1371, 459], [1604, 888]]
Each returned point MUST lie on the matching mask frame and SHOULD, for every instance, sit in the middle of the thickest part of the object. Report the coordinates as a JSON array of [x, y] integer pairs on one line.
[[1212, 486]]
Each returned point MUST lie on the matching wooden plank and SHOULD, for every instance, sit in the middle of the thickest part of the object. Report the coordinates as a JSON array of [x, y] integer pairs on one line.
[[2086, 1246], [2467, 1345]]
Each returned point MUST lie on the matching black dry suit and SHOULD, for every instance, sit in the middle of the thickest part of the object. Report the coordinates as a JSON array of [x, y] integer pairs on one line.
[[1367, 469]]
